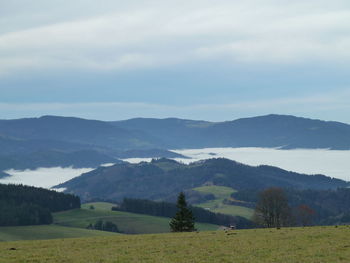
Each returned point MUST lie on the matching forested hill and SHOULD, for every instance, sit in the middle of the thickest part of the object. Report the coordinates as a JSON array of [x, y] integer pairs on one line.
[[164, 178], [73, 134], [67, 141], [26, 205], [54, 158], [264, 131]]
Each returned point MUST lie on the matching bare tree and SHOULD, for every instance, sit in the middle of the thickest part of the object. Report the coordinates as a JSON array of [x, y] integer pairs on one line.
[[305, 215], [272, 209]]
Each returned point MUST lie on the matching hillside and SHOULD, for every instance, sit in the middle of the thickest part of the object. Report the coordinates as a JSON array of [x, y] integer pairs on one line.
[[284, 131], [26, 205], [307, 245], [54, 158], [128, 223], [48, 132], [74, 130], [163, 179], [66, 141], [218, 204], [73, 224], [13, 233]]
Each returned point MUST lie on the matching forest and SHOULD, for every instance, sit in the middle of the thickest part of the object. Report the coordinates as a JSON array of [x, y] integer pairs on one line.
[[26, 205], [163, 179]]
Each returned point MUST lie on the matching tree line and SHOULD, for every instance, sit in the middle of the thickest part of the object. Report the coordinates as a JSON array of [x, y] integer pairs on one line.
[[328, 207], [104, 226], [27, 205], [166, 209]]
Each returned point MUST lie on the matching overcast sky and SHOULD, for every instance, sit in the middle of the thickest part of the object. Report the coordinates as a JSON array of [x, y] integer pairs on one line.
[[197, 59]]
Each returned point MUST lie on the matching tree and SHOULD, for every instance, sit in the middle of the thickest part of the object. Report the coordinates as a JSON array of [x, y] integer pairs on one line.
[[305, 215], [272, 209], [183, 221], [104, 226]]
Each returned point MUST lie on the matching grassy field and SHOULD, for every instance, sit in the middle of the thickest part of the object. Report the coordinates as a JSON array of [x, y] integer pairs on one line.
[[46, 232], [98, 206], [288, 245], [73, 223], [221, 193], [129, 223]]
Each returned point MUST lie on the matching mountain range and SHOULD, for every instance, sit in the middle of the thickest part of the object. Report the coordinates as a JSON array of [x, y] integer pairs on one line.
[[105, 141]]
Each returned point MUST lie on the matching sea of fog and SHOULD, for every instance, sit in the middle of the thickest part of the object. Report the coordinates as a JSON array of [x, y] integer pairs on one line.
[[43, 177], [310, 161], [328, 162]]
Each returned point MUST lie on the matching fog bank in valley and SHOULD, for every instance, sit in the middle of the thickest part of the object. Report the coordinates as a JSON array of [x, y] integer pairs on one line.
[[43, 177], [309, 161]]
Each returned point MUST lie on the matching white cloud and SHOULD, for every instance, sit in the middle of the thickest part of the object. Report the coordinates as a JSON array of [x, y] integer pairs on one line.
[[157, 33]]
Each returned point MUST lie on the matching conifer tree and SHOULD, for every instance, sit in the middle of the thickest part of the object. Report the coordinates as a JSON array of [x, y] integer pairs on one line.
[[183, 221]]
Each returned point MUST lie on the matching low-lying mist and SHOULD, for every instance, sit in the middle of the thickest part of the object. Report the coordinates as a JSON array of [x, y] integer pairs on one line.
[[309, 161], [43, 177], [321, 161]]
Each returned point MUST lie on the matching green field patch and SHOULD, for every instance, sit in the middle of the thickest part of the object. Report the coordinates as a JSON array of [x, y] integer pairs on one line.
[[289, 245], [12, 233], [98, 206], [129, 223], [217, 205], [218, 191]]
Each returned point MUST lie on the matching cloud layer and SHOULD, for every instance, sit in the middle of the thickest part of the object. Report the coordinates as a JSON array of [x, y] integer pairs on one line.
[[201, 59], [143, 34]]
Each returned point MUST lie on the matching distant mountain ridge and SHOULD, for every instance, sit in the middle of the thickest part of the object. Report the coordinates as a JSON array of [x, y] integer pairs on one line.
[[143, 137], [76, 159], [146, 133], [288, 132]]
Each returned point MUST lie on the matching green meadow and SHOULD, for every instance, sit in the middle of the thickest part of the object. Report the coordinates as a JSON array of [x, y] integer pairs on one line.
[[12, 233], [129, 223], [217, 205], [287, 245], [73, 224]]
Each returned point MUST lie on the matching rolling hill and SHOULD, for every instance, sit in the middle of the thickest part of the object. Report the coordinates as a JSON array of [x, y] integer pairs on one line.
[[142, 133], [52, 158], [128, 223], [264, 131], [13, 233], [73, 224], [162, 179]]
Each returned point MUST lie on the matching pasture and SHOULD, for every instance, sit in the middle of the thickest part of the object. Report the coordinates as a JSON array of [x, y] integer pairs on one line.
[[287, 245]]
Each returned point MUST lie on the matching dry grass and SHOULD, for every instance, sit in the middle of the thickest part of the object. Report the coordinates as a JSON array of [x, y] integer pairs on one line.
[[289, 245]]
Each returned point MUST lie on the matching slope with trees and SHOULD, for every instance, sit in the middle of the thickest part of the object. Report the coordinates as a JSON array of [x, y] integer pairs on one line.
[[166, 209], [263, 131], [163, 178], [310, 206], [61, 137], [25, 205]]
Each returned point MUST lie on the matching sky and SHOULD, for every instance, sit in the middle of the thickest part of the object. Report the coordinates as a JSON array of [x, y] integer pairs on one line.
[[196, 59]]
